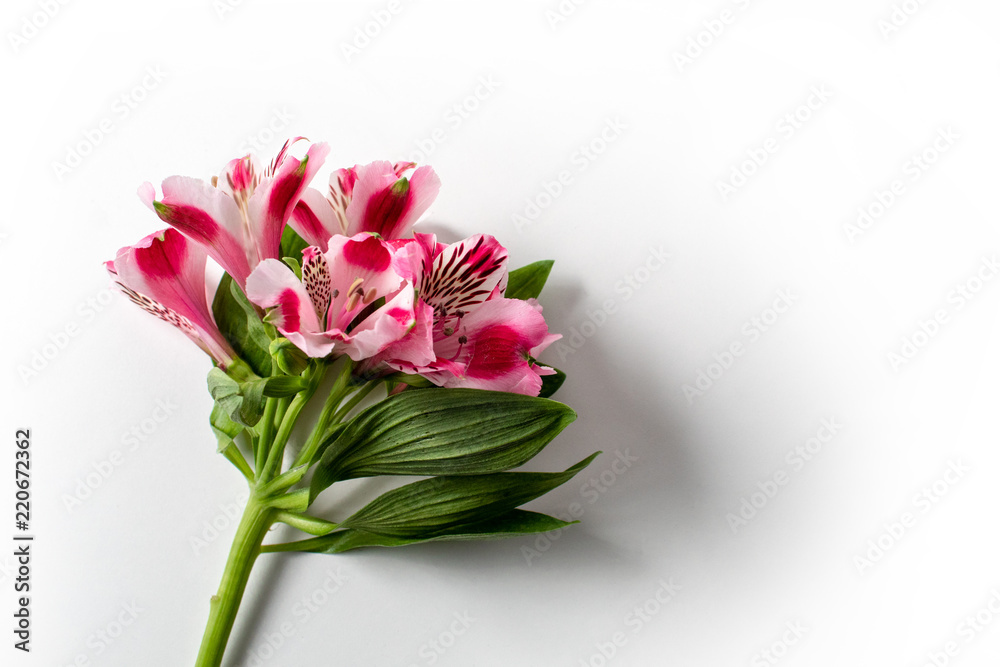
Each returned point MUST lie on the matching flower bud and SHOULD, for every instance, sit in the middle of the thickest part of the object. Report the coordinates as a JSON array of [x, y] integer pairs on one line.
[[291, 360]]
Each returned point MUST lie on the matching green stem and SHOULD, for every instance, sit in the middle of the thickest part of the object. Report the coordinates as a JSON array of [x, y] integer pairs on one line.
[[357, 398], [235, 456], [291, 415], [263, 448], [340, 389], [256, 521]]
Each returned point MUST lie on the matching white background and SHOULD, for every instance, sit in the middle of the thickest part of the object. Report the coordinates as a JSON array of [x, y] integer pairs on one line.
[[819, 555]]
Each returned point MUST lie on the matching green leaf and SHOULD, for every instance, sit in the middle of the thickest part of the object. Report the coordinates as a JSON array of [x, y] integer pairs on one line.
[[442, 432], [294, 265], [528, 281], [292, 244], [237, 319], [433, 506], [511, 524], [225, 429], [226, 392], [241, 403], [253, 401], [551, 383], [417, 381]]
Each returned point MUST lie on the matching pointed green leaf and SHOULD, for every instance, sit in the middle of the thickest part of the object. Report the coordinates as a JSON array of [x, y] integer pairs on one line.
[[435, 505], [225, 429], [292, 244], [442, 432], [294, 265], [528, 281], [511, 524], [237, 319], [551, 383]]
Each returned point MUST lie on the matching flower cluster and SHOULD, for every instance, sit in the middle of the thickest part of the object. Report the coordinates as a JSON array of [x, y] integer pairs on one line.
[[365, 285]]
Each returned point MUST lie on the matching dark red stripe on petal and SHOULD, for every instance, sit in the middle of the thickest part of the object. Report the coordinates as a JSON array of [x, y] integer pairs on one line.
[[386, 208], [165, 259], [285, 191], [288, 302], [368, 253], [498, 350], [194, 222]]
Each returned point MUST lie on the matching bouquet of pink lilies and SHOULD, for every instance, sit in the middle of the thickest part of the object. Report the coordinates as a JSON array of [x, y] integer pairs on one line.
[[334, 294]]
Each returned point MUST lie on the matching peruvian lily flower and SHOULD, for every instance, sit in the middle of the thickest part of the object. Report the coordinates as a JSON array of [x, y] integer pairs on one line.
[[480, 339], [375, 198], [494, 348], [164, 274], [240, 216], [334, 308]]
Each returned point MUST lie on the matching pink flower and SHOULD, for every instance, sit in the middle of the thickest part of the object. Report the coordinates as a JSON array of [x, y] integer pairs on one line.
[[330, 308], [373, 198], [480, 339], [240, 221], [165, 275]]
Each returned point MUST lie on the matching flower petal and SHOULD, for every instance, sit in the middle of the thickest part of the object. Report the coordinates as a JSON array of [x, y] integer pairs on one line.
[[384, 203], [462, 276], [275, 198], [493, 346], [164, 274], [273, 285], [207, 216], [314, 219]]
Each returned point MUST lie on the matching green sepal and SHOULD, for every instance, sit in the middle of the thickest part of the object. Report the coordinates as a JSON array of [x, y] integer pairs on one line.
[[442, 432], [551, 383], [239, 323], [527, 282], [435, 505], [510, 524]]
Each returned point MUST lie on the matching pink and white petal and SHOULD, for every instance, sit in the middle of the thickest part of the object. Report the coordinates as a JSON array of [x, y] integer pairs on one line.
[[538, 349], [165, 274], [274, 200], [387, 204], [414, 351], [463, 276], [361, 270], [494, 344], [273, 285], [207, 216], [314, 219], [410, 260], [387, 325], [424, 188], [371, 181]]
